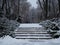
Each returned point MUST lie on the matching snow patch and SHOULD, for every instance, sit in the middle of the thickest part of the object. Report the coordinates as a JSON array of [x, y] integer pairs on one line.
[[11, 41]]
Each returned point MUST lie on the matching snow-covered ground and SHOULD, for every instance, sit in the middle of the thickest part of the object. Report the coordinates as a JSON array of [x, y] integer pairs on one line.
[[11, 41]]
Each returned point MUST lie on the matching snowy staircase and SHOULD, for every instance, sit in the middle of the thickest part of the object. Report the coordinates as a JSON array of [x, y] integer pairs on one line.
[[32, 33]]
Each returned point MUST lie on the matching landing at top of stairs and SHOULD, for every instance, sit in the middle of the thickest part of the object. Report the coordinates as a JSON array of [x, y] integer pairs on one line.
[[30, 25]]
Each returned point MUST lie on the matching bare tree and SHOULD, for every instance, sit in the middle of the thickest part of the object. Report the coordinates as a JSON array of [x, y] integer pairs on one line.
[[44, 8], [59, 7]]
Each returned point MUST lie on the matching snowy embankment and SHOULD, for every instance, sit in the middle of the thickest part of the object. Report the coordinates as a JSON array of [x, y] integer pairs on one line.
[[11, 41]]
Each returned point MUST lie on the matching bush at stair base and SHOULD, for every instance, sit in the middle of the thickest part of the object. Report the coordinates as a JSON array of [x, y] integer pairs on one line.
[[7, 27], [57, 35], [53, 31], [52, 27]]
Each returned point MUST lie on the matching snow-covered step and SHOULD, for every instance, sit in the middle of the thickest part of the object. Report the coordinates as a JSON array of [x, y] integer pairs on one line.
[[30, 25], [29, 37], [35, 28], [31, 32], [38, 28], [33, 36]]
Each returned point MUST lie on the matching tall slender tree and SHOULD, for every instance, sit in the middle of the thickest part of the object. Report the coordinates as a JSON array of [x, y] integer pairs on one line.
[[59, 7], [44, 8]]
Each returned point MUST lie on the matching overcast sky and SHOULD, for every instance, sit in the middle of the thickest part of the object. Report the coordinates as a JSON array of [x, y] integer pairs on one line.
[[33, 3]]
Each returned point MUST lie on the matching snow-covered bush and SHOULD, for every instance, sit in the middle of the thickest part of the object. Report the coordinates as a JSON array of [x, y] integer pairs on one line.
[[7, 26], [56, 35], [52, 26]]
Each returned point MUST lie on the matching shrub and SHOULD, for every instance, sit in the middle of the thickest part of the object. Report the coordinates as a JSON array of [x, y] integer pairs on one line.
[[7, 27], [52, 26]]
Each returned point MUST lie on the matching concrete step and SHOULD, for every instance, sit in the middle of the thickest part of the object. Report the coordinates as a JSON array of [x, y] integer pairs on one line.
[[32, 35], [30, 28], [29, 37], [31, 32]]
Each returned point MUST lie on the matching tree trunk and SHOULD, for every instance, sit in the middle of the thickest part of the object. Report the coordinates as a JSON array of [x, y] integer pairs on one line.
[[59, 7], [45, 5]]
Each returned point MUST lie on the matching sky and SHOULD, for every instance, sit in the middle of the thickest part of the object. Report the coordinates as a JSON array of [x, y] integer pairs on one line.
[[33, 3]]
